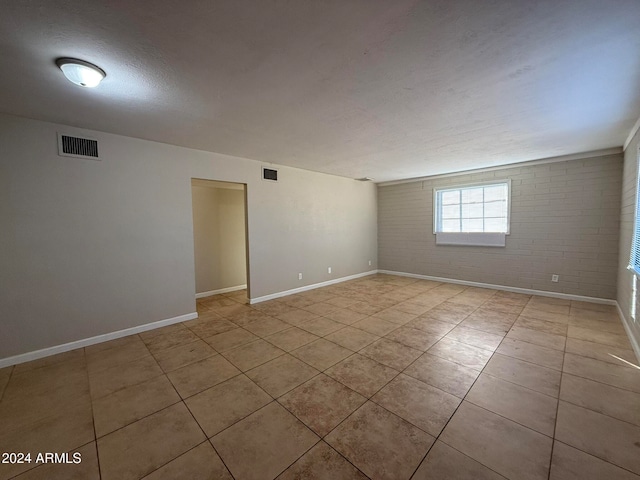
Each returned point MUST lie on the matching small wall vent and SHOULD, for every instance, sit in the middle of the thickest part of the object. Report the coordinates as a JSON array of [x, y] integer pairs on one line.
[[269, 174], [69, 146]]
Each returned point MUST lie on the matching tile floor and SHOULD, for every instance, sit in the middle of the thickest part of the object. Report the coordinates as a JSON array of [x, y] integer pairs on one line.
[[383, 377]]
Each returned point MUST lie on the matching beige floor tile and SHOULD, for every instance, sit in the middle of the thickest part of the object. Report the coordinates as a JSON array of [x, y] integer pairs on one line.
[[321, 353], [541, 379], [598, 351], [321, 326], [392, 354], [532, 312], [345, 316], [362, 374], [50, 430], [475, 338], [246, 316], [451, 377], [199, 376], [201, 462], [498, 443], [114, 378], [619, 376], [170, 340], [352, 338], [322, 463], [380, 443], [115, 356], [277, 307], [450, 312], [569, 463], [365, 307], [5, 375], [174, 328], [44, 389], [557, 342], [291, 338], [264, 444], [522, 405], [546, 357], [321, 308], [231, 339], [606, 315], [489, 321], [461, 353], [499, 305], [611, 326], [144, 446], [177, 357], [207, 327], [597, 336], [132, 403], [341, 302], [430, 325], [223, 405], [86, 469], [550, 304], [395, 316], [266, 326], [596, 307], [422, 405], [281, 374], [545, 326], [414, 338], [375, 326], [601, 398], [444, 462], [322, 403], [297, 317], [605, 437], [74, 356], [252, 354], [118, 342], [411, 307]]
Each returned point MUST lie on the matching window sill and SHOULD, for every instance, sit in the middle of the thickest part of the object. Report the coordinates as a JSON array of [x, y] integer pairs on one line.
[[477, 239]]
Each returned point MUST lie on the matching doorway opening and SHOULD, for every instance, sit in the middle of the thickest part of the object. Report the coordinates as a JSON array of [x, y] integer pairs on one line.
[[220, 238]]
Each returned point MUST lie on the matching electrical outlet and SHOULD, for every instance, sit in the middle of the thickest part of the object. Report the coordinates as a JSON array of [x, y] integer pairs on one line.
[[329, 270], [299, 276], [555, 278], [369, 262]]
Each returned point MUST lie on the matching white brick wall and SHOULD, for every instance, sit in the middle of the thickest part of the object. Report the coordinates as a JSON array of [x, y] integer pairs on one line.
[[564, 220]]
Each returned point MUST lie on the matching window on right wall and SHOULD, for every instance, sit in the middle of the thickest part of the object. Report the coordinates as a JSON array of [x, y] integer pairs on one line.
[[475, 214], [634, 257]]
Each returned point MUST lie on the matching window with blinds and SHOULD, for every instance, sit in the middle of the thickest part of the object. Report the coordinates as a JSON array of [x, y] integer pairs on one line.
[[472, 214], [634, 258]]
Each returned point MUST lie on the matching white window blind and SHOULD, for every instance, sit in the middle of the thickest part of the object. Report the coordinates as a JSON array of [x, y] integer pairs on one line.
[[634, 257]]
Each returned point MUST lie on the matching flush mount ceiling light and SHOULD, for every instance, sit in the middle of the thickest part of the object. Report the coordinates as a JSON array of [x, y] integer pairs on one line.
[[80, 72]]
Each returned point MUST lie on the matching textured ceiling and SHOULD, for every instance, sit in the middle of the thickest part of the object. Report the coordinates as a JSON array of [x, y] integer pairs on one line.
[[376, 88]]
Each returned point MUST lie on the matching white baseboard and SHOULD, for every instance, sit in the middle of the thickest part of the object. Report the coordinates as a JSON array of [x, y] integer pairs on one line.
[[310, 287], [630, 333], [527, 291], [221, 290], [46, 352]]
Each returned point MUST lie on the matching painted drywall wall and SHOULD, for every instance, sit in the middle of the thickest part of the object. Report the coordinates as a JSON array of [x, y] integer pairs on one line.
[[92, 247], [218, 238], [564, 221], [628, 283]]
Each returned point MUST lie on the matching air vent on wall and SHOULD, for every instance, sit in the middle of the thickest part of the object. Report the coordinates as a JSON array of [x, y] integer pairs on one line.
[[269, 174], [69, 146]]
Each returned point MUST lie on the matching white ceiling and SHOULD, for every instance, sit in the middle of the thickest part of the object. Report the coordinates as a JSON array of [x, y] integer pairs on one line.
[[388, 89]]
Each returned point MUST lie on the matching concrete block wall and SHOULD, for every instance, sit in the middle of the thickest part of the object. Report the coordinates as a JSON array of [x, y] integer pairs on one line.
[[565, 219]]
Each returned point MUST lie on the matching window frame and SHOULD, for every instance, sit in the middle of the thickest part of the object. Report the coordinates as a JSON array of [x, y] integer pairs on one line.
[[480, 239]]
